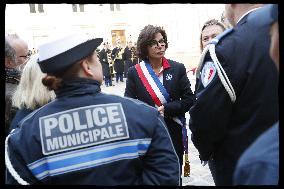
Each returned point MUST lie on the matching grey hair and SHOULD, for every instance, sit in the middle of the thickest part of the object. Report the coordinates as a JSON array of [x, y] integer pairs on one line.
[[10, 51]]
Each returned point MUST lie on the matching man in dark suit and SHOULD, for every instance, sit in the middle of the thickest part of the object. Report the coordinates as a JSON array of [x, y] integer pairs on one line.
[[259, 164], [126, 57], [116, 55], [105, 64], [229, 114]]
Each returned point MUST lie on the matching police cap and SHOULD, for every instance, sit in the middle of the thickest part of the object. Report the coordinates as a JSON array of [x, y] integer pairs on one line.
[[59, 54]]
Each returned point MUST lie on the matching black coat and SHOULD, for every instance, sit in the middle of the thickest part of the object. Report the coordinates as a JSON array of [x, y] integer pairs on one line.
[[126, 56], [104, 62], [179, 90], [221, 129], [118, 62]]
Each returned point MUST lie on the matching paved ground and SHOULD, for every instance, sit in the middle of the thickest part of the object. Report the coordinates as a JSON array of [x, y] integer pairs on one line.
[[199, 175]]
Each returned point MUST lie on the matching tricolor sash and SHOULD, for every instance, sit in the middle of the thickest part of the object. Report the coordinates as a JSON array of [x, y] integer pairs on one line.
[[160, 96], [154, 87]]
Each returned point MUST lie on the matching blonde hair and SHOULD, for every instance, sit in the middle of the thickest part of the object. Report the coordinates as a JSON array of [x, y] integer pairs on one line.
[[31, 93], [211, 22]]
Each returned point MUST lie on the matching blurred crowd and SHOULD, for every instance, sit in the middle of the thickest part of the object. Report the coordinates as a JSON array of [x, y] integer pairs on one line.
[[61, 129]]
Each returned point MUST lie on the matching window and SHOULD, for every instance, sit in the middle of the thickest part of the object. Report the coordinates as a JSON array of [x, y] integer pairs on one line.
[[111, 7], [81, 6], [75, 9], [117, 7], [34, 10], [40, 8]]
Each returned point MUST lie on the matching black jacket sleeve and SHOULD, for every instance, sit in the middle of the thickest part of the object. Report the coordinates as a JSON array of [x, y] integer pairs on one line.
[[130, 84], [184, 98], [161, 162], [209, 116]]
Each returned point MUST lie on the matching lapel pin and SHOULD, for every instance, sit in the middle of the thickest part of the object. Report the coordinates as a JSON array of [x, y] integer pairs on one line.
[[169, 77]]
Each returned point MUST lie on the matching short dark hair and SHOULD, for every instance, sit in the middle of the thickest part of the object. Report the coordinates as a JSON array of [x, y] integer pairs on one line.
[[147, 34]]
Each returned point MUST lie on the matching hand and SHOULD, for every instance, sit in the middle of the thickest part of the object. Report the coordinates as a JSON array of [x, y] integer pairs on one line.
[[203, 163], [161, 110]]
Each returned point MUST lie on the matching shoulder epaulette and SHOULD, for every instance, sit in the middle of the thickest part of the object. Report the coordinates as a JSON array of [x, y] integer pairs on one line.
[[220, 71], [221, 36]]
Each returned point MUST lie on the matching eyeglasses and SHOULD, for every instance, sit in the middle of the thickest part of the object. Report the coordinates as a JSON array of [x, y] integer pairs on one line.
[[153, 43], [27, 56]]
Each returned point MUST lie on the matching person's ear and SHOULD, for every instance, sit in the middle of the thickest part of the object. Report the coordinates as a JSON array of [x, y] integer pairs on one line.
[[86, 68], [8, 62]]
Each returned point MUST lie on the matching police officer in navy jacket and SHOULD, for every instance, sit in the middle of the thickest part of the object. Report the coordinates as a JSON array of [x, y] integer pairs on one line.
[[259, 164], [229, 114], [85, 136]]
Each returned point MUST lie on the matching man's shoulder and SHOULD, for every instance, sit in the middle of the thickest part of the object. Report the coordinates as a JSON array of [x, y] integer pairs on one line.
[[256, 152], [133, 103], [174, 63], [234, 43]]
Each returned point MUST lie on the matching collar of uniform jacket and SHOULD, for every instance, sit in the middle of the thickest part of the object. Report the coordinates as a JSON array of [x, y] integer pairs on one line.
[[246, 14], [78, 86]]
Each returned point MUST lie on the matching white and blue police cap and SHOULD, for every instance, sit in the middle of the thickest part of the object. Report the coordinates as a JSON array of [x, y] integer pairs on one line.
[[264, 16], [59, 54]]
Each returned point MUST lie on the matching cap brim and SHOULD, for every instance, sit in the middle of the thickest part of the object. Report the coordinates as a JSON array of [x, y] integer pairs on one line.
[[62, 61]]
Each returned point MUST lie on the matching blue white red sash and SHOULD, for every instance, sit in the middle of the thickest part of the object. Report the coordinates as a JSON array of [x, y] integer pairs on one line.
[[154, 87]]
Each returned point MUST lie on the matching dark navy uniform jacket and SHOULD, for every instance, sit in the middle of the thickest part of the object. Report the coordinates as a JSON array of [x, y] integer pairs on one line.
[[88, 137], [20, 114], [259, 164], [222, 129]]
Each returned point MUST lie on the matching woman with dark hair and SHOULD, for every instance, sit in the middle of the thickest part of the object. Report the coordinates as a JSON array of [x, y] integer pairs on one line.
[[209, 30], [161, 83]]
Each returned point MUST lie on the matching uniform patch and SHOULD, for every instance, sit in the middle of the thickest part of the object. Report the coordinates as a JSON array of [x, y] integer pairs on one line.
[[81, 127], [208, 72]]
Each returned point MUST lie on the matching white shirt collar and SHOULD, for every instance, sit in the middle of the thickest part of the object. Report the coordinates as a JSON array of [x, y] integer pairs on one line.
[[247, 14]]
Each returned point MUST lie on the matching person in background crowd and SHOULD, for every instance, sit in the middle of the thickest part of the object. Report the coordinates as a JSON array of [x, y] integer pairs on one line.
[[33, 51], [104, 59], [127, 58], [209, 30], [30, 93], [161, 83], [134, 54], [259, 164], [16, 55], [116, 55], [84, 136], [236, 93]]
